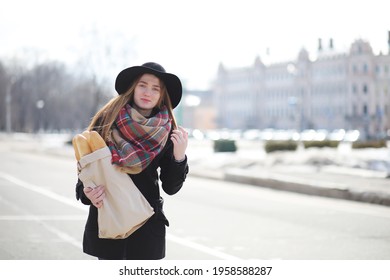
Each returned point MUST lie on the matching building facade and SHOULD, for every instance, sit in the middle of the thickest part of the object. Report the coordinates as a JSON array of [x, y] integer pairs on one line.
[[335, 91], [196, 110]]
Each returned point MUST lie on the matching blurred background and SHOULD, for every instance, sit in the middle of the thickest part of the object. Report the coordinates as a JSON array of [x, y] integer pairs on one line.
[[281, 65], [286, 95]]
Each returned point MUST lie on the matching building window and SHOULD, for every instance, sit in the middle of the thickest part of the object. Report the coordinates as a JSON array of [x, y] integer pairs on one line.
[[354, 88], [365, 89], [365, 68], [354, 69], [379, 111], [365, 110]]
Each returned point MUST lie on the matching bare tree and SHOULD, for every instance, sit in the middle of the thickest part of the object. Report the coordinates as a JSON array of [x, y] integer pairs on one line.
[[48, 98]]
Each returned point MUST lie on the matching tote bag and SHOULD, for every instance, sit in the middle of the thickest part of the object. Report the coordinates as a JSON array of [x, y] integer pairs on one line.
[[124, 208]]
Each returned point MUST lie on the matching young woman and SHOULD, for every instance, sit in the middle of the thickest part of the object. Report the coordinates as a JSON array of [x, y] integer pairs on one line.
[[140, 129]]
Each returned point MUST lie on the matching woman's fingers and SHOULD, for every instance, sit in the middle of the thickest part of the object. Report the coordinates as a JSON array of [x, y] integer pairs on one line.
[[95, 195], [179, 138], [184, 132], [179, 134]]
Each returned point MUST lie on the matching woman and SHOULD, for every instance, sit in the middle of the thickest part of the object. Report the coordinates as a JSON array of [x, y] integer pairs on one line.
[[140, 129]]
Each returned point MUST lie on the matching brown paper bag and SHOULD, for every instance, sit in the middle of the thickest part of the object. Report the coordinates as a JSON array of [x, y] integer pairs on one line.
[[124, 208]]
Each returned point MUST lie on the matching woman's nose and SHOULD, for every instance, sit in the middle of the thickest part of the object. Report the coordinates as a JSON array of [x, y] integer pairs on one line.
[[148, 91]]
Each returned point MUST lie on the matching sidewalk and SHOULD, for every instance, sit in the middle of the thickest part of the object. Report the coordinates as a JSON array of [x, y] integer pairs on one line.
[[343, 174]]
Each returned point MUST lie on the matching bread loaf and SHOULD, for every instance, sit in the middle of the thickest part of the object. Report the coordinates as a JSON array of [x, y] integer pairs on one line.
[[96, 141], [86, 143], [86, 134], [82, 145], [76, 150]]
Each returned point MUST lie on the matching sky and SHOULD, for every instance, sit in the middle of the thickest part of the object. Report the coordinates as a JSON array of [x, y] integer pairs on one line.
[[189, 38]]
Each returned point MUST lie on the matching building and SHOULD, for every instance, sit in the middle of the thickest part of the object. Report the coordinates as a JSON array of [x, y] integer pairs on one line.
[[197, 111], [336, 90]]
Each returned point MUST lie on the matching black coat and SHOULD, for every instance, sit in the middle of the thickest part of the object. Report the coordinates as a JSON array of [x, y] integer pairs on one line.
[[148, 242]]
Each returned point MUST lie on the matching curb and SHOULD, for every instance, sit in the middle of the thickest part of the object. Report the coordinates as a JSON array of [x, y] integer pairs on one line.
[[337, 191]]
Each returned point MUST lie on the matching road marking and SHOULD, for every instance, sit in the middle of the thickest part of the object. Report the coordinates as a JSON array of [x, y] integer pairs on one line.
[[38, 219], [199, 247], [64, 236], [42, 190], [42, 218], [67, 201]]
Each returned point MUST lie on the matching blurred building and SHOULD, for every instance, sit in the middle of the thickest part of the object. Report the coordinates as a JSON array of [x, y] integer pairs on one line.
[[197, 111], [336, 90]]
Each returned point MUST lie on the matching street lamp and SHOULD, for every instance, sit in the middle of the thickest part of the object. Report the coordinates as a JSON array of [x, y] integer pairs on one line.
[[40, 104], [8, 100]]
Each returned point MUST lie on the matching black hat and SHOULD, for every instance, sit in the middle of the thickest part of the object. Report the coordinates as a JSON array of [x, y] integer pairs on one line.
[[127, 76]]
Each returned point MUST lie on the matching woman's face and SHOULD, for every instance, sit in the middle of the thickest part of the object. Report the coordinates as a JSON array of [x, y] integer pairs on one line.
[[147, 94]]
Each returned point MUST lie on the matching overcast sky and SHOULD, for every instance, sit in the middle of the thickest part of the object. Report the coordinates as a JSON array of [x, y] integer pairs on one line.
[[188, 37]]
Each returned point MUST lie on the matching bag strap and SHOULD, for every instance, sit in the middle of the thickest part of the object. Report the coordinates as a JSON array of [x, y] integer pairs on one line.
[[94, 156]]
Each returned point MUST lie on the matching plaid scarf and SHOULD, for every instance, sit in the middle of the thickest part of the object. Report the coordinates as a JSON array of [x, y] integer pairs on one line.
[[136, 140]]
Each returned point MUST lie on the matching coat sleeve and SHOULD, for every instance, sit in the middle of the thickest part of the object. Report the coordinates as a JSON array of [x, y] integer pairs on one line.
[[172, 173], [80, 195]]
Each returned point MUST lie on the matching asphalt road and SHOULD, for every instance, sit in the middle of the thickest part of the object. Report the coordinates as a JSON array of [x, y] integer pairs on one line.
[[41, 219]]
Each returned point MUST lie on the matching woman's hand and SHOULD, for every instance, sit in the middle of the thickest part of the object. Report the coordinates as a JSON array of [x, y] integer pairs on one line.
[[95, 195], [179, 138]]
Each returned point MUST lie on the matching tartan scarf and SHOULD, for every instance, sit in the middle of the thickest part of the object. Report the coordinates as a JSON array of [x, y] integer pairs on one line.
[[136, 140]]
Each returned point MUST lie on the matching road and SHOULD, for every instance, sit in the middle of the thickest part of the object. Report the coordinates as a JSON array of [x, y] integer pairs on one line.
[[209, 220]]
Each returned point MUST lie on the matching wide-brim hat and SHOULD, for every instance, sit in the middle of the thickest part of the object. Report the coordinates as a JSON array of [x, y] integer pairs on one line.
[[127, 76]]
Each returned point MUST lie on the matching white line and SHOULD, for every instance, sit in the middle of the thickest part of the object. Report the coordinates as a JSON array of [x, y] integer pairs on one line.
[[38, 219], [70, 202], [42, 218], [201, 248], [64, 236], [43, 191]]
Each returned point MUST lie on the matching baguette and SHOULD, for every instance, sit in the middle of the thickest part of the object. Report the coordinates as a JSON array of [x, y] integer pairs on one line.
[[76, 151], [96, 141], [86, 134], [82, 145]]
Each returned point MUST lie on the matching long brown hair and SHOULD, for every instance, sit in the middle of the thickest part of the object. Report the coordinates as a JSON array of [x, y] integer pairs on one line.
[[105, 117]]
